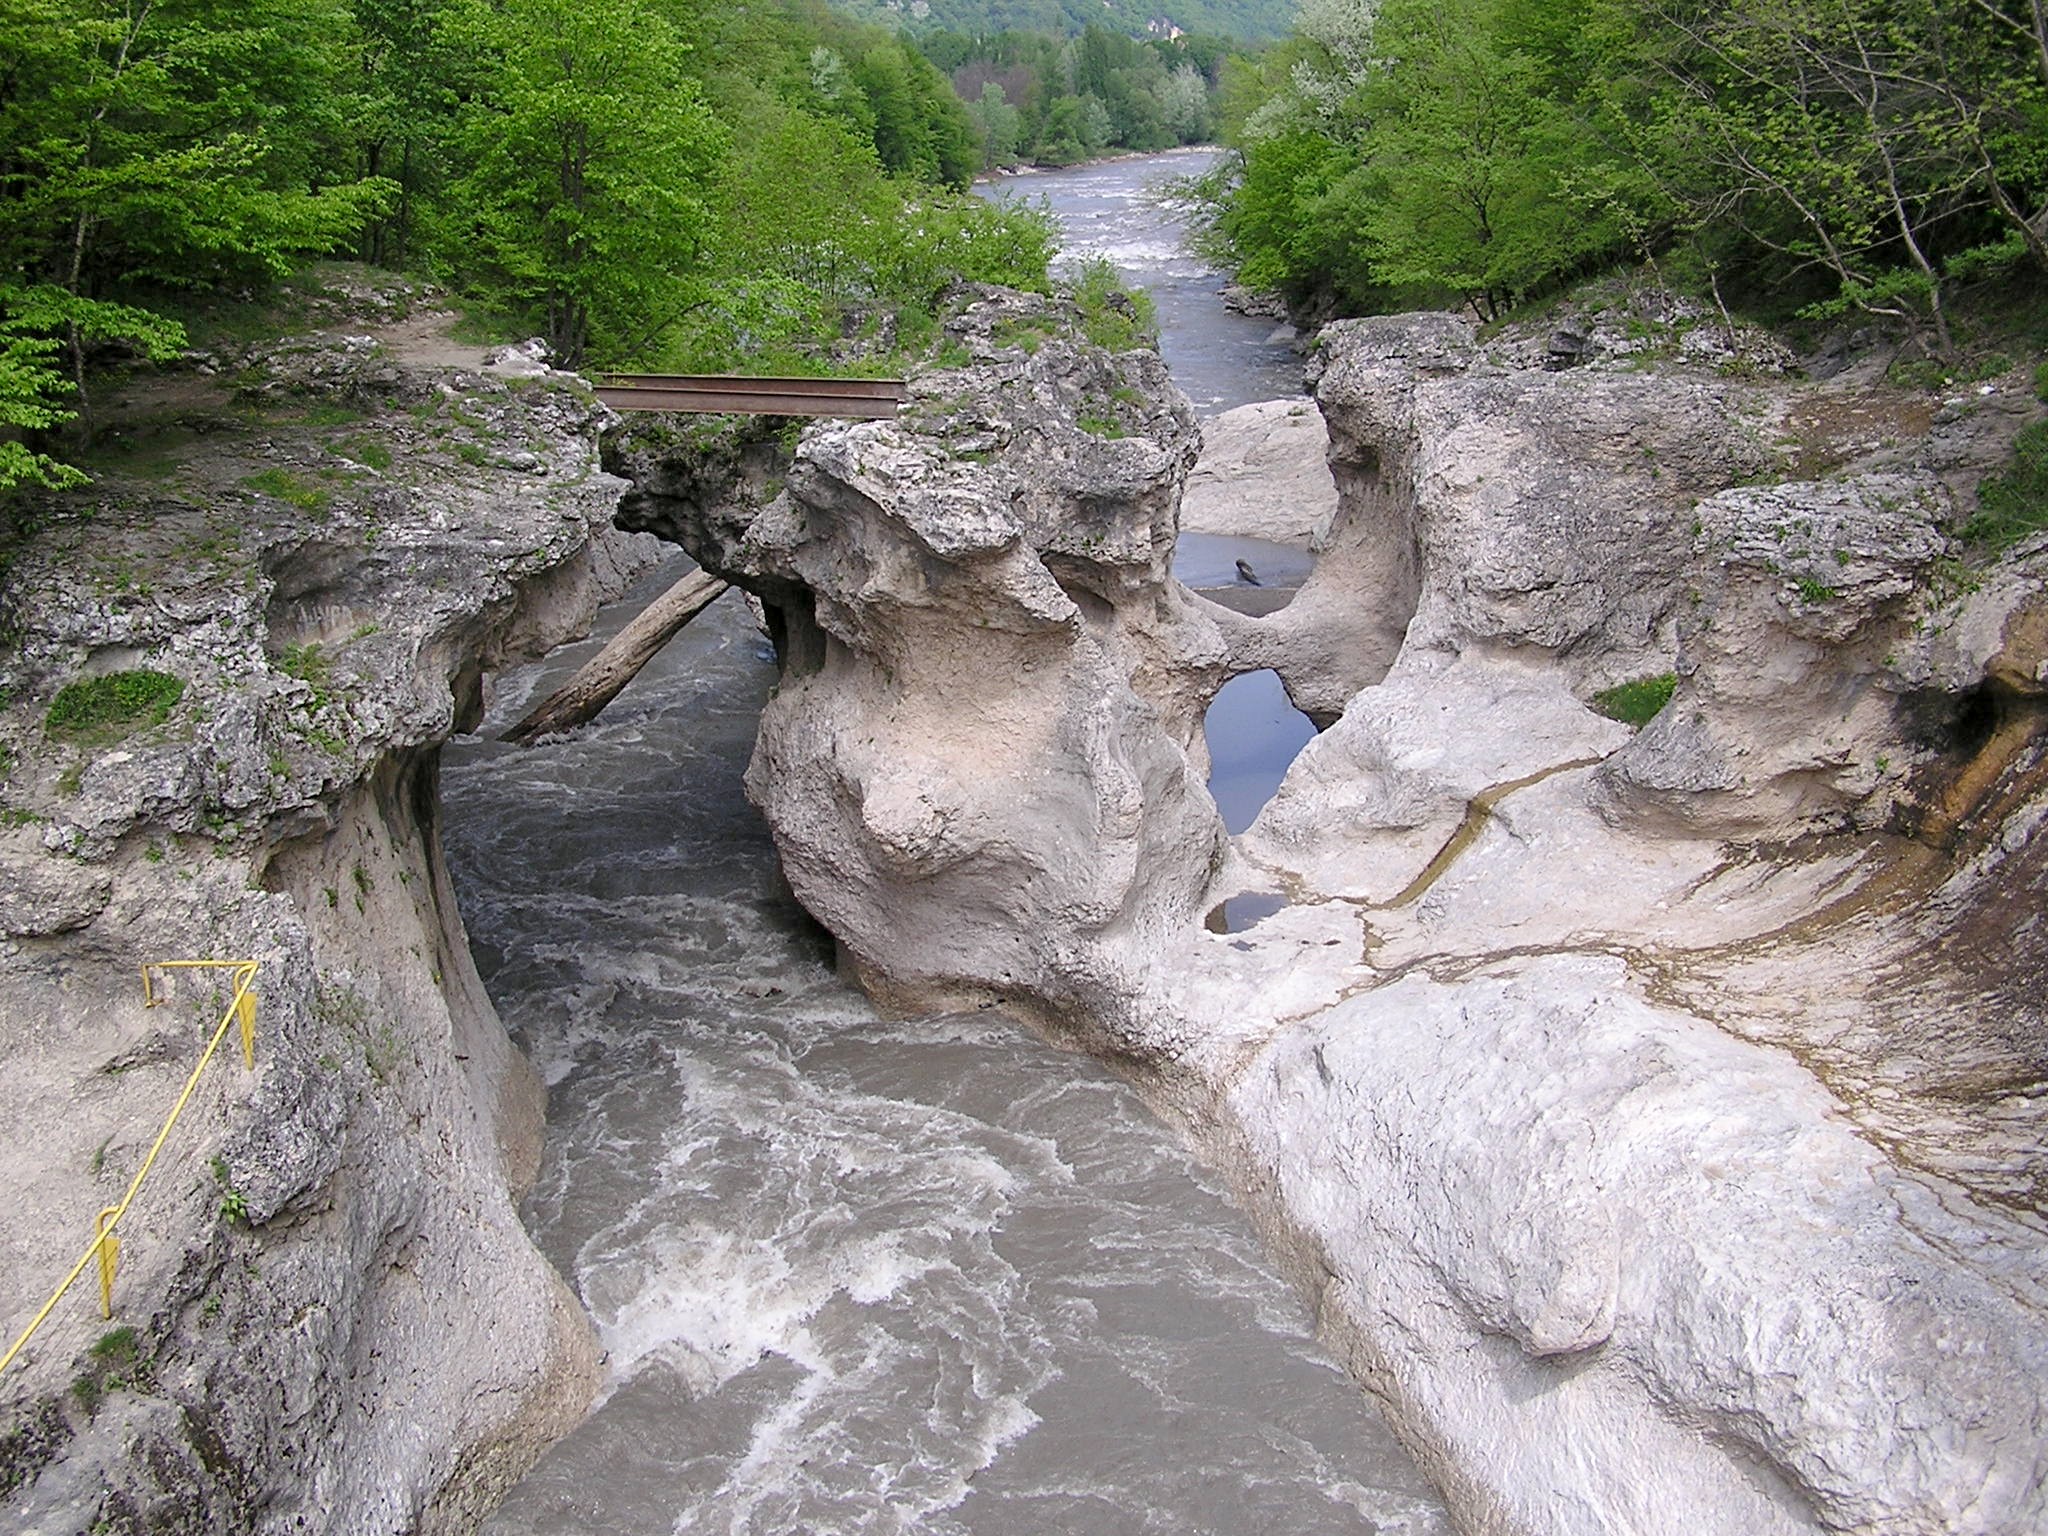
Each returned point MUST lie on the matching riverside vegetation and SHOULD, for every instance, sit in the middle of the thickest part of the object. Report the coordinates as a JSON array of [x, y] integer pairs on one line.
[[1830, 157], [661, 184], [1697, 1086], [1812, 164]]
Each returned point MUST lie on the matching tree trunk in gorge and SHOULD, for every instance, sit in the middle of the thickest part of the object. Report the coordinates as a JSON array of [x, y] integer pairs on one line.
[[598, 682]]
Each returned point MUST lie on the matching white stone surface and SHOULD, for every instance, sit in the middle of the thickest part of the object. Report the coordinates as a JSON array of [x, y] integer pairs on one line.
[[1642, 1273], [1263, 474], [1659, 1129], [1787, 702], [366, 1339], [1374, 797]]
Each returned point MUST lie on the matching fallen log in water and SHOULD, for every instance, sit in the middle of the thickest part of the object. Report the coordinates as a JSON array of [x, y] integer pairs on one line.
[[599, 681]]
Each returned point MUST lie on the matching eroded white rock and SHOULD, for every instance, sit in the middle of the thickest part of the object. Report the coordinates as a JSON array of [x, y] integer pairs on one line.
[[1597, 1246], [1565, 1070], [1263, 474]]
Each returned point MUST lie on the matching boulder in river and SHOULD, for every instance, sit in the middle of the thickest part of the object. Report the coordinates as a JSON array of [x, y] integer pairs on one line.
[[1263, 474]]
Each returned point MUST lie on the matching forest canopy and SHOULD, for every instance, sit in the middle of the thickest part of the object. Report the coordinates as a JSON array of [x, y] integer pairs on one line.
[[1056, 101], [1842, 155], [662, 183], [1240, 19]]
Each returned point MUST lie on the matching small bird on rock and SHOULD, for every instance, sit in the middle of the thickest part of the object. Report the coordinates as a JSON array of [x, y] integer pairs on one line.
[[1246, 573]]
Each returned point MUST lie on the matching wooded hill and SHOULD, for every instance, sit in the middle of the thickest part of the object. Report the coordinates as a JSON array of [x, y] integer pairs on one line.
[[1054, 101], [1827, 156], [1244, 19]]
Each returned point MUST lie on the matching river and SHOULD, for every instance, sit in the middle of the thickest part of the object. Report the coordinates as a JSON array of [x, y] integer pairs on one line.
[[1111, 211], [856, 1274]]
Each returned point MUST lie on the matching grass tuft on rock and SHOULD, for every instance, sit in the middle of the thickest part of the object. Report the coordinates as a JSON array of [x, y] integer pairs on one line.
[[95, 711], [2013, 505], [287, 487], [1113, 317], [1636, 702], [115, 1362]]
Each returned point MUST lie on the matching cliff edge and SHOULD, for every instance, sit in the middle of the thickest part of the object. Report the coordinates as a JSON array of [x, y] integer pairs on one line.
[[228, 667]]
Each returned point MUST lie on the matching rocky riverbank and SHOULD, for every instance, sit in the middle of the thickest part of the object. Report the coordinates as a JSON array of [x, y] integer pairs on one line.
[[1655, 1112], [228, 668]]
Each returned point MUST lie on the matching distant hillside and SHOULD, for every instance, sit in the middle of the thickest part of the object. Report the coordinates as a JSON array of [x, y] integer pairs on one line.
[[1139, 18]]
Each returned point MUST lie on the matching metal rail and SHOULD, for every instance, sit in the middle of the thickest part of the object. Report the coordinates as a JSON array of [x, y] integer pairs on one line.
[[706, 394], [105, 1247]]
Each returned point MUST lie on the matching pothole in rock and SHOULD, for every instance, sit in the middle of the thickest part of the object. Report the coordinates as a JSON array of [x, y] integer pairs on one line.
[[1252, 576], [1237, 913], [1254, 734]]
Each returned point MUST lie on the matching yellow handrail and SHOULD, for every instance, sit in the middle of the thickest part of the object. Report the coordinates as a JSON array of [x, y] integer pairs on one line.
[[105, 1247]]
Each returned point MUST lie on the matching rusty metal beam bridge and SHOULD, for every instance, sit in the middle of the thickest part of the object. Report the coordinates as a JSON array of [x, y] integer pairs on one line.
[[868, 399]]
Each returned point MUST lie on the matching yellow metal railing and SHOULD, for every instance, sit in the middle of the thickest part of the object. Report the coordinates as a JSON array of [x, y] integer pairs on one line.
[[105, 1247]]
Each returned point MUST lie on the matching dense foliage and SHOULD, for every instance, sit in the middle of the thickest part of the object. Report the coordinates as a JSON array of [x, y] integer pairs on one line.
[[671, 183], [1845, 154], [1055, 101], [1067, 18]]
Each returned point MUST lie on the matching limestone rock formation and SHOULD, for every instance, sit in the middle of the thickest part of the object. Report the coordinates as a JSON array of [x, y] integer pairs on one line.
[[1487, 507], [1787, 642], [1595, 1246], [974, 616], [328, 1315], [1631, 1161], [1263, 475], [1655, 1115]]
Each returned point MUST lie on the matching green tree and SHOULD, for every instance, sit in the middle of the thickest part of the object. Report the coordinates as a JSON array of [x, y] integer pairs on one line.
[[581, 207], [1184, 105], [791, 242], [149, 145], [33, 391], [1873, 142], [1075, 128], [1000, 125], [1472, 157], [920, 126], [1295, 221], [835, 90], [173, 141], [409, 84], [812, 235]]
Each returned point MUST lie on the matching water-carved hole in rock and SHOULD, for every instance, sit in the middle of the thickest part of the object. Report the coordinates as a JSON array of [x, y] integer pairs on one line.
[[1254, 733], [1250, 576], [1989, 745], [1976, 720], [798, 640], [1096, 611], [1237, 913]]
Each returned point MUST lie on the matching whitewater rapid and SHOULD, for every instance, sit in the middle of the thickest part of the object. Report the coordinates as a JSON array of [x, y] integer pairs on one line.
[[855, 1274]]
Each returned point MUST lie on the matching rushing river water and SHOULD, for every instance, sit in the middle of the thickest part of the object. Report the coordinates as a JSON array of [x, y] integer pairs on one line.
[[1113, 211], [855, 1274]]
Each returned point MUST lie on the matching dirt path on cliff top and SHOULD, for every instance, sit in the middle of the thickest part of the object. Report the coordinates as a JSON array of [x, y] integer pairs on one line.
[[152, 400], [426, 340]]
